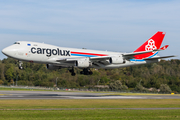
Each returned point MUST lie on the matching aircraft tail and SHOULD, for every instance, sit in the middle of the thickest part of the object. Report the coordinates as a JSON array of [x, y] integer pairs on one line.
[[151, 44]]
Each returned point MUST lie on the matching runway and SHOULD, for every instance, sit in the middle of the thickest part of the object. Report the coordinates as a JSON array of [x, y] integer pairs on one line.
[[75, 95]]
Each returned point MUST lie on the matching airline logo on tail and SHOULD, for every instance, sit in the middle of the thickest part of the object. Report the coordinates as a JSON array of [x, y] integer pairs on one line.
[[151, 45]]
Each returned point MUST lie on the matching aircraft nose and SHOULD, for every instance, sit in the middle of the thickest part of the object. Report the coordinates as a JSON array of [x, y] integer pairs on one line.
[[5, 51], [9, 51]]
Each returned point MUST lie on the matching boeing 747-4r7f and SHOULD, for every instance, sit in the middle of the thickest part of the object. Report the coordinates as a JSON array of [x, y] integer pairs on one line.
[[61, 57]]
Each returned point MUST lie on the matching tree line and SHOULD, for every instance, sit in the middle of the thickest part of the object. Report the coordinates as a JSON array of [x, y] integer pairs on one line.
[[153, 75]]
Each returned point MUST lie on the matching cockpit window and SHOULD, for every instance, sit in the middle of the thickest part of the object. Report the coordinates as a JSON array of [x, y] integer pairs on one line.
[[16, 43]]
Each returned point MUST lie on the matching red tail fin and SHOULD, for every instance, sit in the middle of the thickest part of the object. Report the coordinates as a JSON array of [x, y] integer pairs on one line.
[[153, 43]]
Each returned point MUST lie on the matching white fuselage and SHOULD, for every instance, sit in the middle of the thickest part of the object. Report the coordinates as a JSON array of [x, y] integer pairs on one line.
[[49, 54]]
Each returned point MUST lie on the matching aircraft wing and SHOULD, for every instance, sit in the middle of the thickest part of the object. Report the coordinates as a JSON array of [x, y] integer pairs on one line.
[[105, 58], [159, 57], [95, 60], [131, 55], [101, 58]]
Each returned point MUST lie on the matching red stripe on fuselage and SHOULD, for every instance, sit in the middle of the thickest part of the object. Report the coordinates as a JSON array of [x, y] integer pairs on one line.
[[88, 53]]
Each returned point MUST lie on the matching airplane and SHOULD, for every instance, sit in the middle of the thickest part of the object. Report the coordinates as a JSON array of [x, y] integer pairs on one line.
[[61, 57]]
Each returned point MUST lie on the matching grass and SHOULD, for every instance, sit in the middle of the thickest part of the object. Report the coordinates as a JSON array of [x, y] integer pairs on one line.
[[91, 115], [22, 89], [70, 103], [15, 109]]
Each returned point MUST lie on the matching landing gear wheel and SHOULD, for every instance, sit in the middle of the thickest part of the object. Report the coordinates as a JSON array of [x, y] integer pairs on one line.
[[82, 72], [20, 67], [86, 71], [73, 74], [90, 72]]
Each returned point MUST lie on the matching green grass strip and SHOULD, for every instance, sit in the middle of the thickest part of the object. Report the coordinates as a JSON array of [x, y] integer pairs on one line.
[[91, 115], [76, 103]]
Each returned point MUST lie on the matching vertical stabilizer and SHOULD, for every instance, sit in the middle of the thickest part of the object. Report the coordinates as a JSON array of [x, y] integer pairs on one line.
[[151, 44]]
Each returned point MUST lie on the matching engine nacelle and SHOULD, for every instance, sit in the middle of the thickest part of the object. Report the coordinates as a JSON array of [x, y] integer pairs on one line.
[[117, 60], [83, 63], [52, 67]]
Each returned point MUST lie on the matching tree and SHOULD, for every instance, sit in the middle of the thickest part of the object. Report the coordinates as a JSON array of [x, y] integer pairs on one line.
[[2, 72], [9, 73], [117, 85], [164, 88], [1, 82], [152, 75], [139, 87]]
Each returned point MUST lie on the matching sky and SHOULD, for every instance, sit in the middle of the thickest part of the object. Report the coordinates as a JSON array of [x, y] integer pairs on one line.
[[113, 25]]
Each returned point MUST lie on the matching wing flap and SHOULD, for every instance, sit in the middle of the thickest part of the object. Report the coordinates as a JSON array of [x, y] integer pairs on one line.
[[69, 59], [101, 58]]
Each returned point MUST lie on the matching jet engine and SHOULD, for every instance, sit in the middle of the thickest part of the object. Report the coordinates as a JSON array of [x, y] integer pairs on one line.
[[52, 67], [83, 63], [116, 60]]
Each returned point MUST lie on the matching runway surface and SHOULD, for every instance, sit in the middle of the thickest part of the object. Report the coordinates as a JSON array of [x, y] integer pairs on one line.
[[75, 95]]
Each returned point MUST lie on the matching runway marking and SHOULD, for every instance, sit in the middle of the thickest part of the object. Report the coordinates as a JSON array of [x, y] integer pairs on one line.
[[96, 109]]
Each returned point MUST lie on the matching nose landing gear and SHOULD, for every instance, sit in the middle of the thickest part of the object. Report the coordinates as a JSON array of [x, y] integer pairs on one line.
[[20, 65]]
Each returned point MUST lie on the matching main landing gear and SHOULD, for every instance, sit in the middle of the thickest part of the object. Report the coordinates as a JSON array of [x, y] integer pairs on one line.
[[72, 71], [86, 71]]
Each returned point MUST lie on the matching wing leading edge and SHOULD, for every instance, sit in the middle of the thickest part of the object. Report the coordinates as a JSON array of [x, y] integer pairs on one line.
[[159, 57]]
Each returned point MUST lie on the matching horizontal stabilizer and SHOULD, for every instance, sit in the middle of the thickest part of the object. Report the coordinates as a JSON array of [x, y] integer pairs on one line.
[[164, 47], [131, 55]]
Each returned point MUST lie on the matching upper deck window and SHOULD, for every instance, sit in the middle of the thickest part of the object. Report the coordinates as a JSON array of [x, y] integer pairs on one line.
[[16, 43]]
